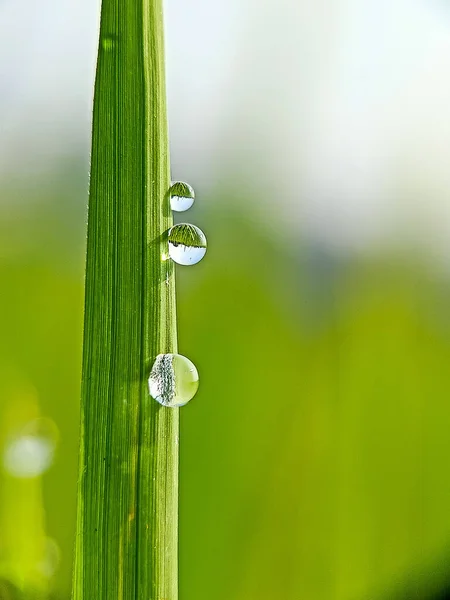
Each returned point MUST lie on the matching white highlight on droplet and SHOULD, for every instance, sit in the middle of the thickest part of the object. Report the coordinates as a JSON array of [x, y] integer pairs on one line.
[[185, 255], [181, 203]]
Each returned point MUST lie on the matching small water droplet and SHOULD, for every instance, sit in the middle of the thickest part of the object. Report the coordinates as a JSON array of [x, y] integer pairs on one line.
[[182, 196], [187, 244], [173, 380]]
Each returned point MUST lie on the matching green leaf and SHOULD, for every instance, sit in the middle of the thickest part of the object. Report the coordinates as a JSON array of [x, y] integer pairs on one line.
[[126, 544]]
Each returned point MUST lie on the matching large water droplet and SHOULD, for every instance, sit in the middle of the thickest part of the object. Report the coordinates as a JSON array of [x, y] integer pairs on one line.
[[173, 380], [182, 196], [187, 244]]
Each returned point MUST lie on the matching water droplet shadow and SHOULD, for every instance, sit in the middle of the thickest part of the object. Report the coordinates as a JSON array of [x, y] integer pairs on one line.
[[159, 247], [109, 41]]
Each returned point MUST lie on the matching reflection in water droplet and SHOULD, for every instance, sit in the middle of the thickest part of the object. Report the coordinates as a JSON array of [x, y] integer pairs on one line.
[[31, 451], [181, 196], [187, 244], [173, 380]]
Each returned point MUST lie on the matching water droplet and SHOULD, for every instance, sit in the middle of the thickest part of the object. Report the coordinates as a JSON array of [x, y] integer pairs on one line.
[[173, 380], [182, 196], [187, 244]]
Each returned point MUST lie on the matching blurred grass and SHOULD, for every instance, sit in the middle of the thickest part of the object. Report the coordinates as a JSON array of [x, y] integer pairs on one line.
[[314, 456], [40, 346], [24, 544]]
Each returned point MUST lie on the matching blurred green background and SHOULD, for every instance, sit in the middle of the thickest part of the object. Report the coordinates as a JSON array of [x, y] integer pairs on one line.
[[314, 458]]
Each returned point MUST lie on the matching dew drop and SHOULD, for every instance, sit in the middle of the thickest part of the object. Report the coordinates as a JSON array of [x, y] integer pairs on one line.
[[182, 196], [173, 380], [187, 244]]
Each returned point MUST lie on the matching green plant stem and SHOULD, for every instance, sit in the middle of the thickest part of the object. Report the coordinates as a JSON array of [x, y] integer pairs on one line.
[[126, 544]]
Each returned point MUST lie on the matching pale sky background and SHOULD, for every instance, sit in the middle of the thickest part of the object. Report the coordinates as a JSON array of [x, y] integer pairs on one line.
[[337, 111]]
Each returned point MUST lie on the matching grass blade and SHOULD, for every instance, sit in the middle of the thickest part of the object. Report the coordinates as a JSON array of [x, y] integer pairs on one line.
[[126, 544]]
